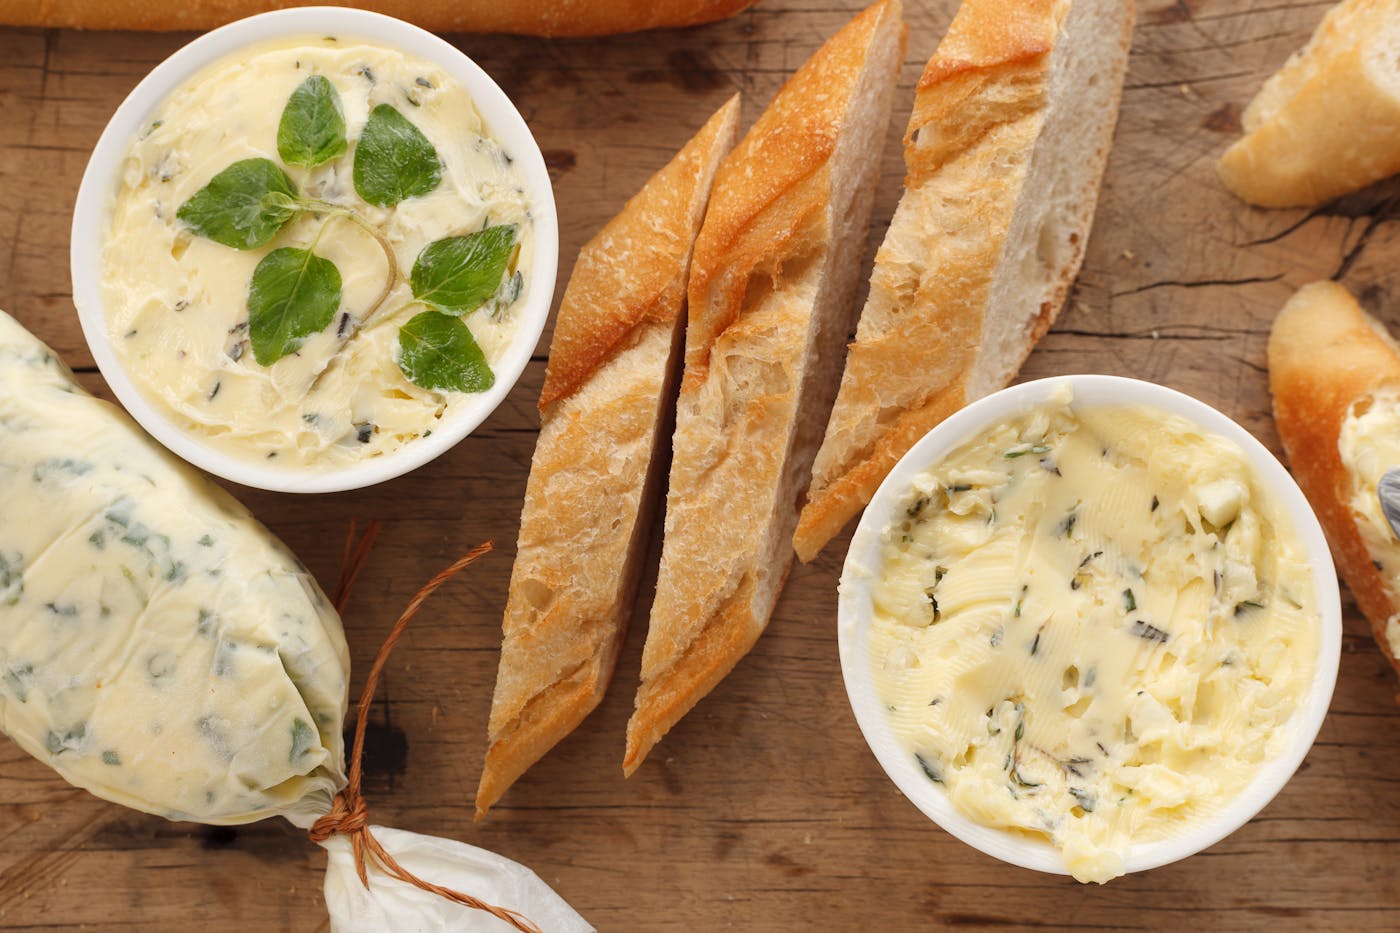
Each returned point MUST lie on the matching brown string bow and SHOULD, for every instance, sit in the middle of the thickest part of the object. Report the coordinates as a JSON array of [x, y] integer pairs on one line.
[[349, 815]]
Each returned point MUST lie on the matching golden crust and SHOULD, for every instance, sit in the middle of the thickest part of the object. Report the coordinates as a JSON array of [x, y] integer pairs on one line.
[[995, 52], [633, 271], [595, 475], [772, 191], [521, 17], [1324, 357], [761, 292]]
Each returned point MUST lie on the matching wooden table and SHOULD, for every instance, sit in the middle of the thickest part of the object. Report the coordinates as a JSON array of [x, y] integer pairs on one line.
[[763, 809]]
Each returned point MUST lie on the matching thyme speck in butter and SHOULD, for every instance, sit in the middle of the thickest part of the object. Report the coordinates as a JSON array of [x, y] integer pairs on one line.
[[1086, 571]]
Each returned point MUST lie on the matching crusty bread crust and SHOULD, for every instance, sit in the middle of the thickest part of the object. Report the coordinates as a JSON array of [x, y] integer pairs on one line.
[[595, 476], [770, 295], [1326, 356], [1329, 121], [930, 338], [522, 17]]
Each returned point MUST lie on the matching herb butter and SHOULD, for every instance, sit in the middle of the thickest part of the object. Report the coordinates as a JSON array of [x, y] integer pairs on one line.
[[293, 265], [1369, 445], [1091, 626], [158, 646]]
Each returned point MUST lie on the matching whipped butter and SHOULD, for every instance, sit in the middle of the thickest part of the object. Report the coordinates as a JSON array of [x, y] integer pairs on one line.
[[1090, 627], [1369, 445], [178, 304]]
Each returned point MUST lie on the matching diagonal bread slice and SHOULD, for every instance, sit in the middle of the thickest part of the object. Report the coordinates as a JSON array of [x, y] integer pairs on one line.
[[771, 289], [596, 470], [1328, 122], [1334, 374], [1005, 150]]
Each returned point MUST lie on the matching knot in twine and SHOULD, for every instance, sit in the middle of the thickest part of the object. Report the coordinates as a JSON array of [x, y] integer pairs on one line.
[[349, 815]]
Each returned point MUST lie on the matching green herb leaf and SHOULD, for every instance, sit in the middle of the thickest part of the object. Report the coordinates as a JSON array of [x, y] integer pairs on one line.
[[303, 738], [294, 294], [243, 206], [394, 160], [312, 129], [439, 352], [457, 274]]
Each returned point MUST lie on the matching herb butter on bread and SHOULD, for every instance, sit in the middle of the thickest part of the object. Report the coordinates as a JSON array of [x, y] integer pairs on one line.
[[595, 476], [1005, 149], [1335, 377], [771, 290]]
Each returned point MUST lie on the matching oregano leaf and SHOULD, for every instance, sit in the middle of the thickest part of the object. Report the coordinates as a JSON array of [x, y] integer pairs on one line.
[[394, 161], [439, 352], [312, 128], [457, 274], [294, 294], [243, 206]]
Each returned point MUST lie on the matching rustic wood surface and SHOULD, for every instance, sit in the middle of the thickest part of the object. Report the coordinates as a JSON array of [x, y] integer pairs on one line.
[[763, 809]]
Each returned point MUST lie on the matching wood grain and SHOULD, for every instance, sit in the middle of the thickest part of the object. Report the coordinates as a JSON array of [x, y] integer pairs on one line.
[[763, 809]]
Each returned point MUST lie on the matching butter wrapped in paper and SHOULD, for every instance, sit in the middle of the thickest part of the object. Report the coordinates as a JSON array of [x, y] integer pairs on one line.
[[162, 650], [158, 646]]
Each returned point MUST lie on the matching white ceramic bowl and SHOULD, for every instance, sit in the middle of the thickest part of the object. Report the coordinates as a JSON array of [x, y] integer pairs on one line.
[[103, 173], [863, 566]]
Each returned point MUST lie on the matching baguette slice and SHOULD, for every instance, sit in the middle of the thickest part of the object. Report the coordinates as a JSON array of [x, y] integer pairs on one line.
[[1005, 149], [770, 295], [1329, 121], [1335, 377], [596, 474]]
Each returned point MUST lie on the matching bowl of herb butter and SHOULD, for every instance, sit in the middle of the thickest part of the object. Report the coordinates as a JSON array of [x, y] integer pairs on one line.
[[314, 249], [1089, 625]]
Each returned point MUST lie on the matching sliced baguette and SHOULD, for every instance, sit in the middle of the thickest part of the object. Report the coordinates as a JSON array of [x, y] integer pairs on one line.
[[595, 475], [771, 289], [1005, 148], [1332, 369], [1329, 121]]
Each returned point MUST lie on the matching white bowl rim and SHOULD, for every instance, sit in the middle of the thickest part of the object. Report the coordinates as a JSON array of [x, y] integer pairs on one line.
[[854, 614], [103, 169]]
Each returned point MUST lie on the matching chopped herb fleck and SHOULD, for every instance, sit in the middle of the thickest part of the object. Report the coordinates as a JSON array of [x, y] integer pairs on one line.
[[1066, 526], [1130, 600], [17, 678], [1149, 632], [205, 541], [1155, 502], [933, 601], [1019, 779], [916, 507], [56, 743], [11, 577], [1242, 607], [1085, 798], [1021, 451], [929, 769], [303, 738], [110, 757], [960, 487]]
